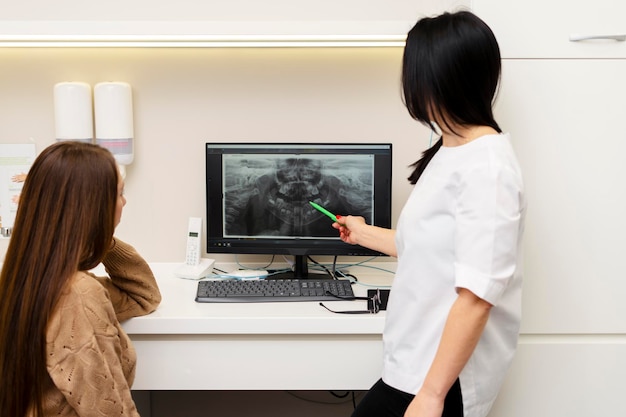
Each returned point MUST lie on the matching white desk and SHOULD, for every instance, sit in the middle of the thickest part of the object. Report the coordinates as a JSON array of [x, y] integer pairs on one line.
[[186, 345]]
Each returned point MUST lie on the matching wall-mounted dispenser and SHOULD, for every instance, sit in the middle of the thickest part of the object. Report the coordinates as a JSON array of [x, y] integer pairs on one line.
[[73, 114], [113, 109]]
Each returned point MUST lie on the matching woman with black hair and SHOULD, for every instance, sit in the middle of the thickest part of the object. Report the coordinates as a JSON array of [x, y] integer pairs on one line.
[[454, 311]]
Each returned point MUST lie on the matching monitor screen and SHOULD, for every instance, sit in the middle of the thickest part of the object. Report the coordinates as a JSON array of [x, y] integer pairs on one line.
[[259, 194]]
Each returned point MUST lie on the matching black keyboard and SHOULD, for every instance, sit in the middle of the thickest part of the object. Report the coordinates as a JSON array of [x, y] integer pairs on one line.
[[273, 290]]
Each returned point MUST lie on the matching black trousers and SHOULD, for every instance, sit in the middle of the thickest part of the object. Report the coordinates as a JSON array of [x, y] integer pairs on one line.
[[384, 401]]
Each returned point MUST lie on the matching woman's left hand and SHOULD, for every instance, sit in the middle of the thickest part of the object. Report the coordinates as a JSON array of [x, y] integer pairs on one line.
[[424, 405]]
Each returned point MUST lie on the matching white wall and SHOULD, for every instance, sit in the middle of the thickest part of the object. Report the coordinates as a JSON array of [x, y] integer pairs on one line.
[[186, 97]]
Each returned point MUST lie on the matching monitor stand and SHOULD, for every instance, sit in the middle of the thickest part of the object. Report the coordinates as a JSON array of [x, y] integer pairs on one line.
[[301, 269]]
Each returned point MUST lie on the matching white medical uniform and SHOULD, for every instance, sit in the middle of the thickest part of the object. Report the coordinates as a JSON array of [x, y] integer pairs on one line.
[[461, 227]]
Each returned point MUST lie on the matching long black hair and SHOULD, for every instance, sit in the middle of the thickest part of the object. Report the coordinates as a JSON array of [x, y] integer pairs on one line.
[[450, 73]]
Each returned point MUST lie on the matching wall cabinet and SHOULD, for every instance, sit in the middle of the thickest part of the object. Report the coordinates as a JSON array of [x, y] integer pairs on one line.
[[542, 29], [578, 377], [185, 20], [563, 103], [565, 117]]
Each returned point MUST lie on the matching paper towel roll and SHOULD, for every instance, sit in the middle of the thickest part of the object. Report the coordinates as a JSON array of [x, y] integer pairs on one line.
[[73, 115], [113, 109]]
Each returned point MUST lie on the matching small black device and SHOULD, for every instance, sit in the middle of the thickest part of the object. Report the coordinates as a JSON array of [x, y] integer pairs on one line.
[[377, 296]]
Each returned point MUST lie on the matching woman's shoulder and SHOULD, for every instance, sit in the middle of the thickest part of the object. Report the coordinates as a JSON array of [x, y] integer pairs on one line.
[[487, 149], [84, 305], [83, 289], [483, 150], [84, 283]]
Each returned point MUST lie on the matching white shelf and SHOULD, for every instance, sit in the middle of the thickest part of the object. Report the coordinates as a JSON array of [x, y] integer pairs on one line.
[[201, 34], [188, 23]]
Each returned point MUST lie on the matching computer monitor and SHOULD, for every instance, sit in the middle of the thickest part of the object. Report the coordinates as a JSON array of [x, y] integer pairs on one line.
[[258, 194]]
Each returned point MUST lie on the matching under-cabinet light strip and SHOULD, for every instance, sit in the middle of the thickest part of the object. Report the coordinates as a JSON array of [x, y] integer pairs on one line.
[[201, 41], [196, 44]]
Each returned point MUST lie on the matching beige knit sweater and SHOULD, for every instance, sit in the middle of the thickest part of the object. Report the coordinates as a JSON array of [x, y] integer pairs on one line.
[[91, 361]]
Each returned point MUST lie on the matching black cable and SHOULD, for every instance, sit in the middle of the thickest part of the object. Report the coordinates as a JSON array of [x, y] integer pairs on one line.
[[298, 395], [339, 396], [263, 267], [349, 311], [373, 309], [351, 276], [322, 266], [346, 297]]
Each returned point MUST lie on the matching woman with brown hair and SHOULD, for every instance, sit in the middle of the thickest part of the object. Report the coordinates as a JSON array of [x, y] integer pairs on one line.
[[62, 349]]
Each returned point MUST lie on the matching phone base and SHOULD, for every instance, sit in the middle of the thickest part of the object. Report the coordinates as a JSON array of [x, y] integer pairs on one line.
[[202, 270]]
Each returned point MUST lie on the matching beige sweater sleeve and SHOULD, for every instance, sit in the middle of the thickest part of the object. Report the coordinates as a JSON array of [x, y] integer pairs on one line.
[[131, 283]]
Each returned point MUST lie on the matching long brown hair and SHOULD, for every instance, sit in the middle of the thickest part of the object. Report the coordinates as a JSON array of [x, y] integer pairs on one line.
[[64, 223]]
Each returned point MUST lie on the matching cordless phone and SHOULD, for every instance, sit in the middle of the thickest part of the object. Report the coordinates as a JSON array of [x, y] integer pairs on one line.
[[194, 267], [192, 256]]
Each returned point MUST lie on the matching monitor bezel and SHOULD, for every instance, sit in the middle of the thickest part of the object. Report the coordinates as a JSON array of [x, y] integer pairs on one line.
[[217, 243]]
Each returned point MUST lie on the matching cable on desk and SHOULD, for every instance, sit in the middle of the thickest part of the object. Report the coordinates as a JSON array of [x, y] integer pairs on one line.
[[373, 306], [331, 274], [221, 271], [362, 264], [262, 267], [336, 271]]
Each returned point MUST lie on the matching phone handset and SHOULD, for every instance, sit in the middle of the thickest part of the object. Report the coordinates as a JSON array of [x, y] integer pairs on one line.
[[194, 267], [192, 255]]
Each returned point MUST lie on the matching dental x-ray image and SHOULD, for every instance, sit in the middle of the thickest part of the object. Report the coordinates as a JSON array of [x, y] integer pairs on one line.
[[268, 195]]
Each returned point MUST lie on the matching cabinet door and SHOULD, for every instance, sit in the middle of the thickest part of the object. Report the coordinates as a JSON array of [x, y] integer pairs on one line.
[[542, 29], [222, 19], [566, 120], [574, 377]]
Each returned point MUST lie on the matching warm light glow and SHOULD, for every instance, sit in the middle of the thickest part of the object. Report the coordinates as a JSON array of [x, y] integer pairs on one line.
[[227, 41]]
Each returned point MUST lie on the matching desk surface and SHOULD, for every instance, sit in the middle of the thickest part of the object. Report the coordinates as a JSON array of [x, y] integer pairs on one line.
[[185, 345], [180, 314]]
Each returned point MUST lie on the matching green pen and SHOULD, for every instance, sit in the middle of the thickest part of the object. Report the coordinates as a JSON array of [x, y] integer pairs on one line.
[[324, 211]]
